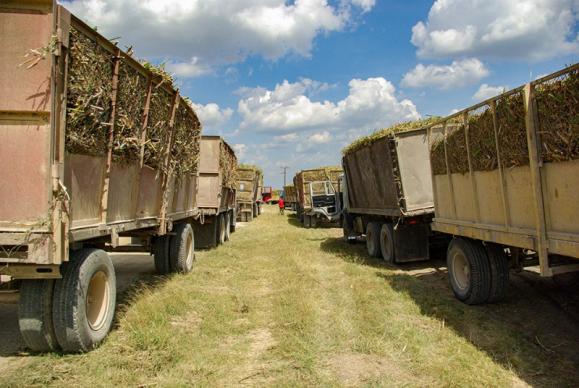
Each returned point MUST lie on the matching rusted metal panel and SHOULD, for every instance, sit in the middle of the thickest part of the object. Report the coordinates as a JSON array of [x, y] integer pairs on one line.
[[25, 56], [84, 177], [149, 193], [123, 192], [25, 175], [213, 193]]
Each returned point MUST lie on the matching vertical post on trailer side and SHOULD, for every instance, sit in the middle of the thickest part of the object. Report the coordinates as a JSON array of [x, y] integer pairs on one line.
[[448, 174], [112, 119], [470, 168], [504, 199], [533, 145], [168, 170]]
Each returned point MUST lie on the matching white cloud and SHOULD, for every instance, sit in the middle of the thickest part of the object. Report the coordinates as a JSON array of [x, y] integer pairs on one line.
[[212, 116], [366, 5], [485, 92], [457, 74], [517, 29], [240, 150], [287, 138], [191, 69], [217, 32], [370, 104], [320, 137]]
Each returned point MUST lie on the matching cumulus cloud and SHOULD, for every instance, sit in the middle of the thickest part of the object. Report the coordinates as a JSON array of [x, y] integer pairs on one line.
[[198, 34], [457, 74], [191, 69], [518, 29], [320, 137], [371, 103], [485, 92], [240, 150], [211, 115]]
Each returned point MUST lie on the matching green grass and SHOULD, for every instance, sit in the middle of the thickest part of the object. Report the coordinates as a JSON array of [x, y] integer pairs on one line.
[[283, 305]]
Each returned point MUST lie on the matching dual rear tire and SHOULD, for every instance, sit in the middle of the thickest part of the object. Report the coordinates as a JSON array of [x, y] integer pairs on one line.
[[74, 313], [175, 252], [478, 273]]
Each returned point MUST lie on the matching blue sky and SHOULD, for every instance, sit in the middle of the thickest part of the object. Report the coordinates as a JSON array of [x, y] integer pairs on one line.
[[290, 83]]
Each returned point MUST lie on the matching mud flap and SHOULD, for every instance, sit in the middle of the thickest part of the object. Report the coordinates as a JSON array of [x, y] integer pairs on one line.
[[411, 242]]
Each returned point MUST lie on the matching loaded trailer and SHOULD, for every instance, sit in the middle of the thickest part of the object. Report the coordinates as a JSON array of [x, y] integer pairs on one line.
[[387, 195], [216, 196], [249, 186], [94, 147], [290, 197], [505, 177], [318, 195]]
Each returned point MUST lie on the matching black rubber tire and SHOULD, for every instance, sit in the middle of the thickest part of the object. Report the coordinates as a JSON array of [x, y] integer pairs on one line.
[[259, 209], [71, 322], [307, 221], [221, 229], [470, 285], [348, 228], [387, 243], [499, 265], [255, 210], [250, 215], [35, 315], [227, 219], [182, 248], [373, 239], [233, 220], [313, 221], [161, 248]]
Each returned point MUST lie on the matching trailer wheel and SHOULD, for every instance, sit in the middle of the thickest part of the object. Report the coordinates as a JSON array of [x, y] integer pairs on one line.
[[255, 210], [499, 265], [221, 229], [35, 315], [373, 239], [161, 248], [314, 221], [232, 220], [227, 229], [469, 271], [387, 243], [307, 221], [347, 228], [182, 249], [84, 300], [259, 209]]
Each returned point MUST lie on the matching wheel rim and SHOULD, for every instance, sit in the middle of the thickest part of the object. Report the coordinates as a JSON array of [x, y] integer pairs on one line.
[[190, 251], [461, 271], [97, 300]]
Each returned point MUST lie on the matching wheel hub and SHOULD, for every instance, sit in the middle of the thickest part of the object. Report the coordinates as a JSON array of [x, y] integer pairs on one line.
[[97, 300]]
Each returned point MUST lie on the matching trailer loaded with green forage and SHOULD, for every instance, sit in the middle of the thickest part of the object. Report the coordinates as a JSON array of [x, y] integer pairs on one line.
[[318, 195], [388, 193], [249, 185], [216, 195], [95, 146]]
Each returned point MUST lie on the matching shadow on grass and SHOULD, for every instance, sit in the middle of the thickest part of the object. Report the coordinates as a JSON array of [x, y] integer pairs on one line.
[[527, 333], [355, 252]]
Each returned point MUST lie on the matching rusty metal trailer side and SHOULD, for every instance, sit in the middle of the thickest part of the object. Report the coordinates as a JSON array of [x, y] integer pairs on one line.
[[217, 192], [530, 206], [249, 189], [388, 196], [58, 205]]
